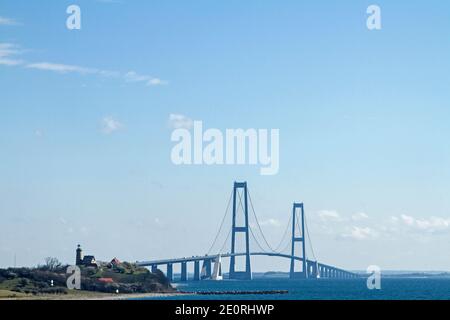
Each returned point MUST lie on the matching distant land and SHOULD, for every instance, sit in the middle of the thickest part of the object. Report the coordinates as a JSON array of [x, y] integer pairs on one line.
[[385, 273]]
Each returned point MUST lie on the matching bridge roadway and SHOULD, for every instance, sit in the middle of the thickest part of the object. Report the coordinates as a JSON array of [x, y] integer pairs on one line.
[[313, 268]]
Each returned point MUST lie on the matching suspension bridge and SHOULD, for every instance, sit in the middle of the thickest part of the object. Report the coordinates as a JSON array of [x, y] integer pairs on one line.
[[301, 267]]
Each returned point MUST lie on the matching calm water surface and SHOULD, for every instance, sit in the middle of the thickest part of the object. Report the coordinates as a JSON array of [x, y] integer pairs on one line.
[[322, 289]]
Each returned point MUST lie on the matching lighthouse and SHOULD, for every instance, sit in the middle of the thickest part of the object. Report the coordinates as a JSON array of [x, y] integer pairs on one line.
[[79, 260]]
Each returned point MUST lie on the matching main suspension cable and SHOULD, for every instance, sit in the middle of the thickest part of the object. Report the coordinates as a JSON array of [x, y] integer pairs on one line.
[[225, 242], [241, 205], [310, 241], [256, 240], [257, 223], [284, 235], [221, 225]]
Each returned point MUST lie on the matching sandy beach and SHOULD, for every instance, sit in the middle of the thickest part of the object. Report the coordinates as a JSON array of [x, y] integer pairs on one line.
[[85, 295]]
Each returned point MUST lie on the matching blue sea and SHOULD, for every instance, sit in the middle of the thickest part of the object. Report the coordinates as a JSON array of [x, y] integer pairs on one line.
[[392, 288]]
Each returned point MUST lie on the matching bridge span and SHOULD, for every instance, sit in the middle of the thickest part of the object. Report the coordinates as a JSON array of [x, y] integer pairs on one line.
[[307, 268], [314, 269]]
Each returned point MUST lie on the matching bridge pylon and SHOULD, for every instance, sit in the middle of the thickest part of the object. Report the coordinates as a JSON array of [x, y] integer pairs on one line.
[[296, 239], [247, 274]]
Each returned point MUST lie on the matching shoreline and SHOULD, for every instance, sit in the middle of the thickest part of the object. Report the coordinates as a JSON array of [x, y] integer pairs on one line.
[[86, 295]]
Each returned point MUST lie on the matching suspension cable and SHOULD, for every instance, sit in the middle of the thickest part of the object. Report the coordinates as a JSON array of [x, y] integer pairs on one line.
[[221, 224], [284, 235], [310, 241], [289, 244], [251, 231], [257, 223], [225, 242], [240, 205], [256, 240]]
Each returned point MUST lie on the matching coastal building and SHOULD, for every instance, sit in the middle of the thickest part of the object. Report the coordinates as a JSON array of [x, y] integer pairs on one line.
[[85, 261]]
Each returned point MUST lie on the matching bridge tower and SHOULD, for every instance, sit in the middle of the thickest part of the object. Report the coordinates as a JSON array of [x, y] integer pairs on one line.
[[247, 274], [296, 239]]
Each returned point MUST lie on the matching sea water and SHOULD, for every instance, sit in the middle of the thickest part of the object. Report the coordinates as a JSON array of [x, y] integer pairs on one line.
[[433, 288]]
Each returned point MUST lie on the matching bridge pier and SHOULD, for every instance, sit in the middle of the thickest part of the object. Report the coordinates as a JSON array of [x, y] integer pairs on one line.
[[154, 268], [298, 238], [207, 266], [196, 270], [315, 270], [244, 229], [184, 276], [169, 273], [311, 270]]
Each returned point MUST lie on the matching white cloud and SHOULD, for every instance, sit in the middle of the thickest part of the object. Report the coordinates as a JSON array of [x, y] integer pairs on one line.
[[179, 121], [8, 22], [359, 216], [133, 76], [8, 51], [270, 222], [38, 133], [360, 233], [393, 227], [66, 68], [431, 225], [110, 125], [61, 68], [157, 82], [329, 215]]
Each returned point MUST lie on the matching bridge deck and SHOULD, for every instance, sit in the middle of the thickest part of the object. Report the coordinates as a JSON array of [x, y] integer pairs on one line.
[[227, 255]]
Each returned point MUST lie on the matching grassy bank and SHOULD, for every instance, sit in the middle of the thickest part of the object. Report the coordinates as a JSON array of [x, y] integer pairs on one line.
[[96, 283]]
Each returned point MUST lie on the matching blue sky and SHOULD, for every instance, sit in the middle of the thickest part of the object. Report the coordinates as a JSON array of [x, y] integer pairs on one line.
[[363, 118]]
